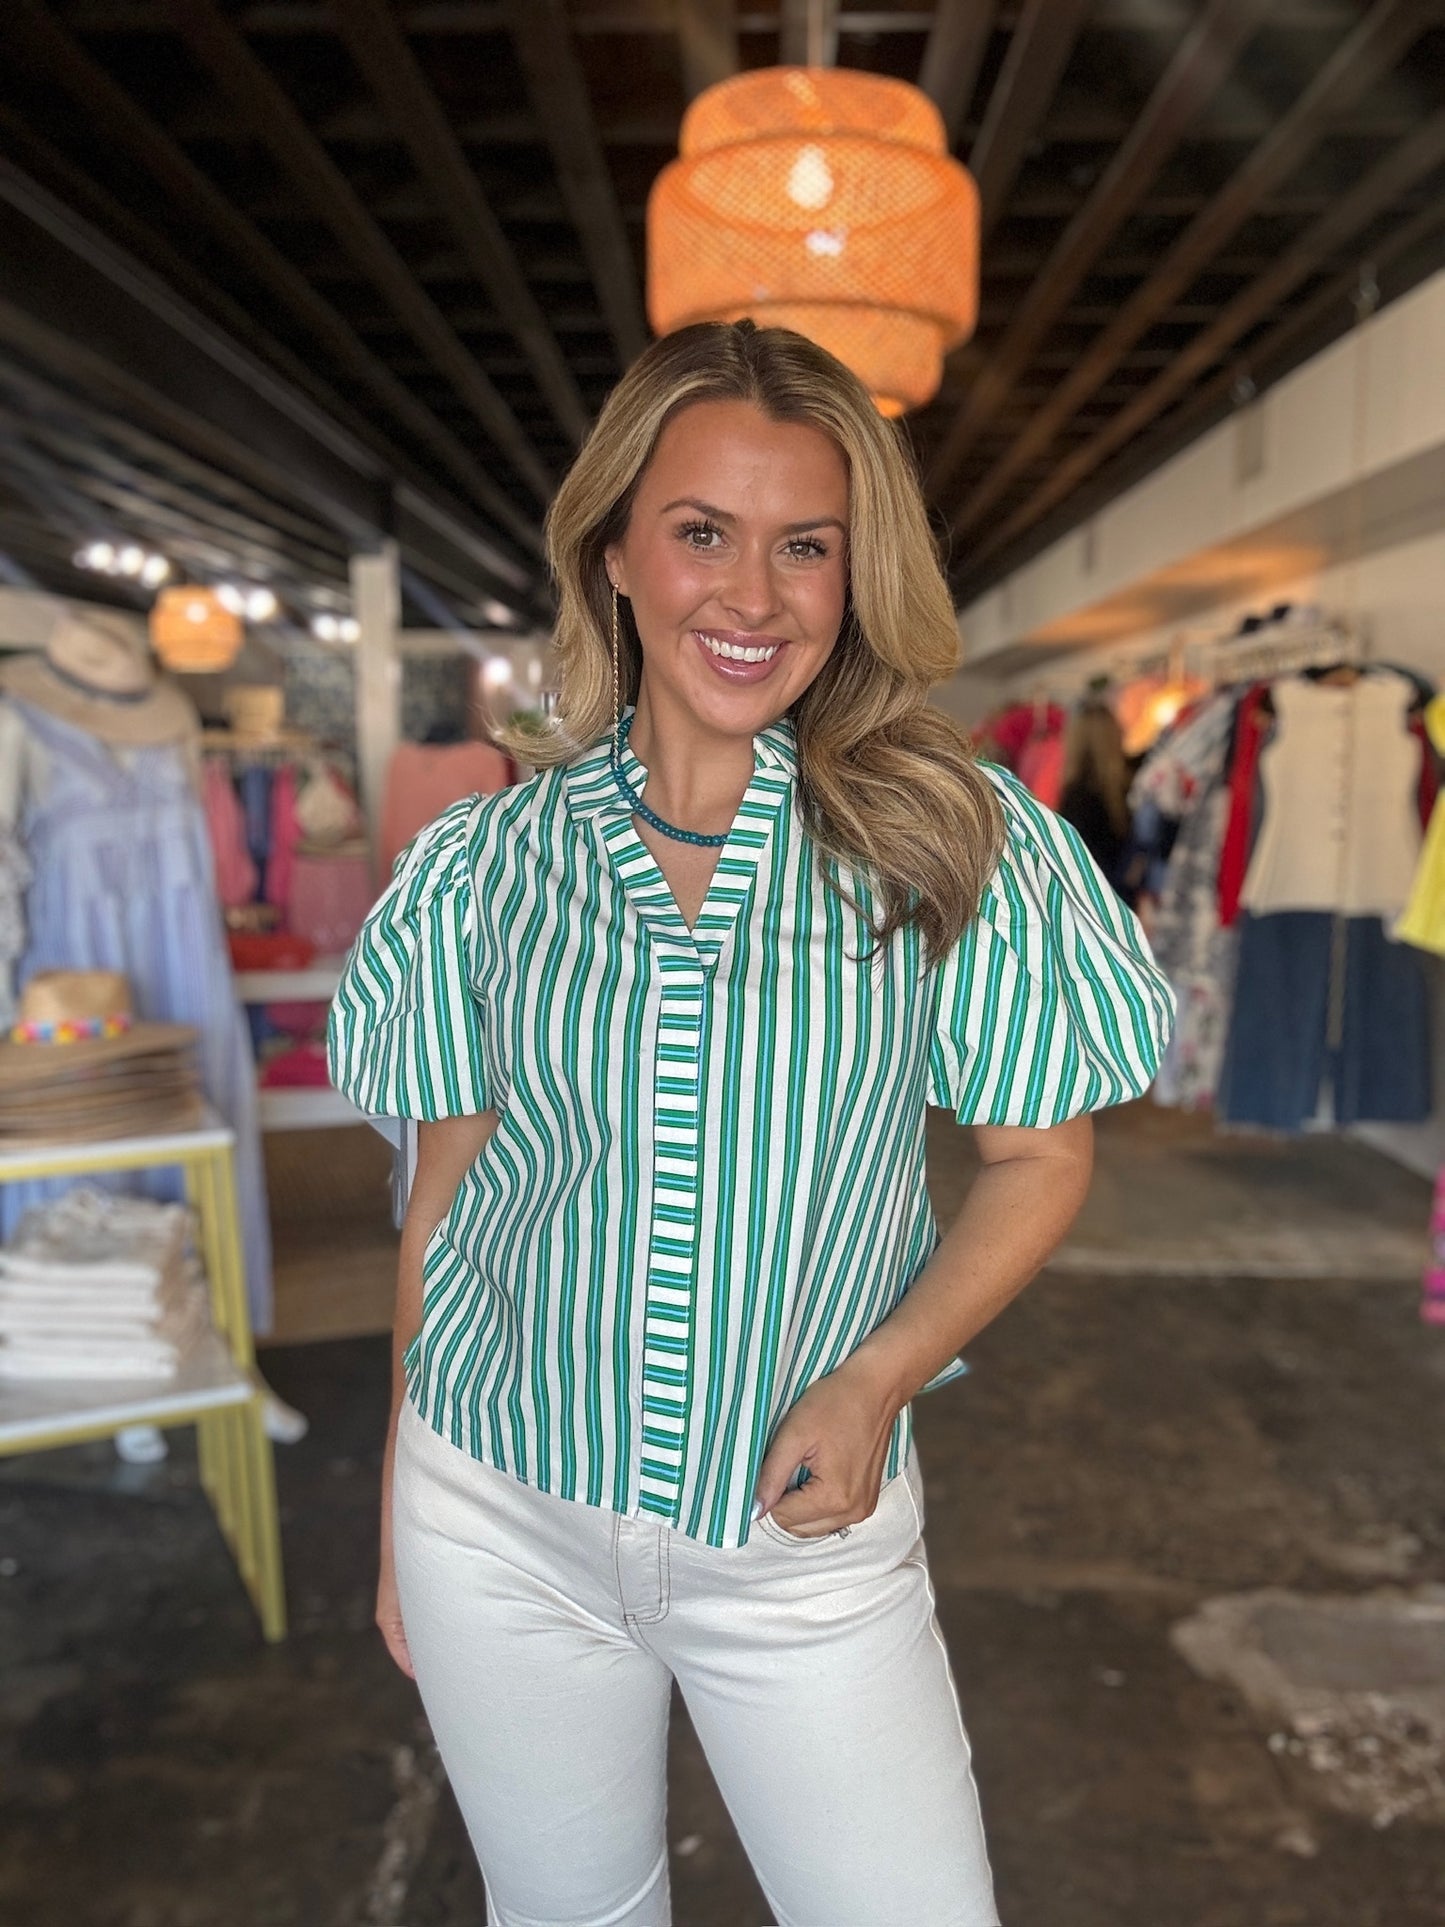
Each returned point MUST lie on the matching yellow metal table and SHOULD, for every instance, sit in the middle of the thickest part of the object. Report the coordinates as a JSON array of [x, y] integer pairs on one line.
[[216, 1388]]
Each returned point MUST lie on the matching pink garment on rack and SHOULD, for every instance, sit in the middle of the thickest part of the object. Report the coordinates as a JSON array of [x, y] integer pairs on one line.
[[285, 835], [426, 778], [330, 896], [1041, 768], [235, 871]]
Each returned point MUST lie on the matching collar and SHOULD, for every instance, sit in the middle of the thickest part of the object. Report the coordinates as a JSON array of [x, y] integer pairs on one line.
[[592, 789]]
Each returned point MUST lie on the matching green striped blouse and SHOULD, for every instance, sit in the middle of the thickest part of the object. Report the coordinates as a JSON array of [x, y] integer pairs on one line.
[[707, 1186]]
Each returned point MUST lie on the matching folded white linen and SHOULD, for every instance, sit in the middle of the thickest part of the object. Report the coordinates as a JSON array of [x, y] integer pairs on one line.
[[24, 1267], [118, 1240], [100, 1287], [16, 1362], [81, 1354]]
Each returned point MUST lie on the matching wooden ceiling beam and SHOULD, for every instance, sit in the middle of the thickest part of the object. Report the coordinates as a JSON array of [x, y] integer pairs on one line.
[[1204, 58], [384, 55], [33, 36], [1038, 53], [117, 220], [467, 19], [808, 33], [957, 42], [1378, 42], [115, 334], [707, 34], [542, 36], [1301, 331], [1413, 161], [218, 46], [111, 477]]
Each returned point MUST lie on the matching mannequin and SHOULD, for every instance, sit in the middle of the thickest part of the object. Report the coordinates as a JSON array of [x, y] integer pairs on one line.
[[99, 790]]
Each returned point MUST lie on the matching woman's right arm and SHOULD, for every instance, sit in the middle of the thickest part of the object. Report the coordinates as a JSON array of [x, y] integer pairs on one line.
[[446, 1151]]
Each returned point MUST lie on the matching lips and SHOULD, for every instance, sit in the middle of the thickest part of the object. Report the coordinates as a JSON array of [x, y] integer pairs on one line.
[[732, 668]]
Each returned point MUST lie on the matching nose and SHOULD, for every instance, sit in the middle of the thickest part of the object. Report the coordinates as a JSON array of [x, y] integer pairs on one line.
[[750, 594]]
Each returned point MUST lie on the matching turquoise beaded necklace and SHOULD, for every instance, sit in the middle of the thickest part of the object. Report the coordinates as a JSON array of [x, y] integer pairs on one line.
[[639, 808]]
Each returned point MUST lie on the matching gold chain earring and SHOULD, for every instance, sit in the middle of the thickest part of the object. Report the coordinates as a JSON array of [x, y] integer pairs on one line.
[[616, 677]]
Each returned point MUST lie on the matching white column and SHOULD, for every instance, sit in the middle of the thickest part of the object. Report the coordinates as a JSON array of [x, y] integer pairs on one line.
[[376, 603]]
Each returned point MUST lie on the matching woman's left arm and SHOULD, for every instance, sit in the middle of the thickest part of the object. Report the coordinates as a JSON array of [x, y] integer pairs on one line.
[[1020, 1207]]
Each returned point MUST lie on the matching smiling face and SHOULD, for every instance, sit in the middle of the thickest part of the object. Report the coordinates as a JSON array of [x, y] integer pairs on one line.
[[735, 563]]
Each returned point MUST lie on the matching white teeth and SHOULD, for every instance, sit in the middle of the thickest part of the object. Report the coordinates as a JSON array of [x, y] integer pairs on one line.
[[736, 654]]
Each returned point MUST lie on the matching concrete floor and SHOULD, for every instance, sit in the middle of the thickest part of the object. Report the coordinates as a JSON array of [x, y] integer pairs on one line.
[[1128, 1450]]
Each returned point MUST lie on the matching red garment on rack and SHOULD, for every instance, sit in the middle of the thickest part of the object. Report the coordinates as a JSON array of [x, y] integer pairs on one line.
[[285, 835], [1251, 730], [1429, 776], [226, 825], [1041, 768]]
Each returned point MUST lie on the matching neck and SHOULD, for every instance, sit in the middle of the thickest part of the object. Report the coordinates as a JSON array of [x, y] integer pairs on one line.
[[696, 778]]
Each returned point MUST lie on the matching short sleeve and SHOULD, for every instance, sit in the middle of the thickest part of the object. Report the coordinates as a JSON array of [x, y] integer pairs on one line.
[[405, 1036], [1050, 1003]]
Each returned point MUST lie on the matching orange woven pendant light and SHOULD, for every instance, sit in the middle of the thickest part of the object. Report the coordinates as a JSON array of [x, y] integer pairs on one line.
[[823, 200], [193, 632]]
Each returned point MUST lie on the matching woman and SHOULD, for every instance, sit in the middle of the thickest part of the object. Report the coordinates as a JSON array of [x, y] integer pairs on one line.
[[672, 1012], [1095, 795]]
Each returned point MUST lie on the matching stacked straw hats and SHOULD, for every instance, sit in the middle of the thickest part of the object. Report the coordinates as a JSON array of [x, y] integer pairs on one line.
[[78, 1067]]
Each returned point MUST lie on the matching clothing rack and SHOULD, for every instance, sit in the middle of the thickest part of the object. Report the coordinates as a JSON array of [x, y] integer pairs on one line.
[[294, 746], [1276, 651]]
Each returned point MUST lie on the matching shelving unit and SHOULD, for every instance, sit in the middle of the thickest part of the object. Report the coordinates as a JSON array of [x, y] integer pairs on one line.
[[216, 1388], [309, 1108]]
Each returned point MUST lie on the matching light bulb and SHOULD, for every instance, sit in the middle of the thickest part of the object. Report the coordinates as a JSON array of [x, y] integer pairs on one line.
[[154, 570], [260, 605], [810, 179], [100, 555], [230, 597], [131, 560]]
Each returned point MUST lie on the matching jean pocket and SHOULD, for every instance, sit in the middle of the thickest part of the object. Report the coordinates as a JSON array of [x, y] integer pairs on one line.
[[890, 1493]]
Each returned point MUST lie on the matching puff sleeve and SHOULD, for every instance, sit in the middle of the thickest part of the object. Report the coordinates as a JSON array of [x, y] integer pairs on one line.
[[406, 1036], [1050, 1004]]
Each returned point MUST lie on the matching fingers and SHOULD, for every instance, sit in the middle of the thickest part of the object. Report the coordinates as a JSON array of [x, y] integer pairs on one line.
[[775, 1474], [394, 1636]]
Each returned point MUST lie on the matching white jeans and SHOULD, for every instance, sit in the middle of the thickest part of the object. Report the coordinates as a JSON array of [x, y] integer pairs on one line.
[[546, 1635]]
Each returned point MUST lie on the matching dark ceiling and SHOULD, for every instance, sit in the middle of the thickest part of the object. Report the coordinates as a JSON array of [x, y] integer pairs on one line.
[[283, 277]]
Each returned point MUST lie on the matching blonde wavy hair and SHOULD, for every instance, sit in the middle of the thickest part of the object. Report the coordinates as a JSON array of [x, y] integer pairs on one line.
[[887, 784]]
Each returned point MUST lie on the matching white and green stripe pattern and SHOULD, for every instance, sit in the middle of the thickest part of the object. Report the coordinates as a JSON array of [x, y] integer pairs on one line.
[[707, 1185]]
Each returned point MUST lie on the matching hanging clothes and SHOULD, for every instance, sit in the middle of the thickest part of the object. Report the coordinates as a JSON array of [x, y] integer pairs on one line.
[[1041, 766], [1341, 777], [1325, 1002], [1326, 1006], [253, 786], [226, 826], [1422, 922], [423, 780], [14, 881], [124, 880], [1185, 781], [1252, 724], [285, 835]]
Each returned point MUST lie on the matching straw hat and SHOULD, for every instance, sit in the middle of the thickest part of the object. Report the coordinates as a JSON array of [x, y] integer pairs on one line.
[[80, 1067], [84, 1009], [95, 674], [257, 713]]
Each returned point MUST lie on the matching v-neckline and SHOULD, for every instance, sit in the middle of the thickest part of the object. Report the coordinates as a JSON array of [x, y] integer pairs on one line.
[[733, 875]]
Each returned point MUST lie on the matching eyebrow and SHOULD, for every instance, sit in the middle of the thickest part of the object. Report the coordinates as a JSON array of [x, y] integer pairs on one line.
[[721, 515]]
